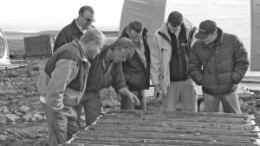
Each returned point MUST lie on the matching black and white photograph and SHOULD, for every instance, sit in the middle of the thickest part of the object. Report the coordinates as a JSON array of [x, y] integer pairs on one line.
[[130, 73]]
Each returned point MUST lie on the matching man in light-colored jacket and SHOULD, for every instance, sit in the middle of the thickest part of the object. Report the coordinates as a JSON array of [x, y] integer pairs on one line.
[[169, 64], [62, 84]]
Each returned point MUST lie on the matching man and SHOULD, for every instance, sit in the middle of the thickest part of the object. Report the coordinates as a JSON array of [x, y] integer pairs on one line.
[[76, 29], [106, 71], [137, 68], [62, 84], [218, 62], [169, 64]]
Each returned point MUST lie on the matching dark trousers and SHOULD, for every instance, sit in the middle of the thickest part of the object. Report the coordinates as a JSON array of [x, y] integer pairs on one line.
[[92, 106]]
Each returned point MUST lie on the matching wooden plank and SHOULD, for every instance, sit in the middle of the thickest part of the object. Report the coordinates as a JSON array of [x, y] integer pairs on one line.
[[194, 130], [171, 138], [171, 118], [168, 128], [158, 135], [140, 113], [199, 127], [148, 142], [169, 123], [11, 66]]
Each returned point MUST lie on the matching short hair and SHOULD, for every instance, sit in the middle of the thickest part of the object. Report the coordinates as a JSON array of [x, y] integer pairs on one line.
[[124, 43], [93, 35], [175, 18], [136, 26], [86, 8]]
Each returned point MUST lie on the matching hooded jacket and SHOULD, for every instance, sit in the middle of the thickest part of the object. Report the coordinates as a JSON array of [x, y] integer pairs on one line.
[[161, 53]]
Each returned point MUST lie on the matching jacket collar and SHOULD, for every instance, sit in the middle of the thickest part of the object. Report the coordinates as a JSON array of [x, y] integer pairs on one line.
[[83, 57], [75, 28], [219, 38], [187, 25], [104, 51]]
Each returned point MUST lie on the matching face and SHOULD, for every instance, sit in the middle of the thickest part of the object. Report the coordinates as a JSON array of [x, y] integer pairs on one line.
[[134, 36], [209, 39], [93, 50], [120, 55], [173, 29], [86, 20]]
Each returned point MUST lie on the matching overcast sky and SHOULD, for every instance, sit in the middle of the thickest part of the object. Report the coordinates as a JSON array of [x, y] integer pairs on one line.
[[40, 15]]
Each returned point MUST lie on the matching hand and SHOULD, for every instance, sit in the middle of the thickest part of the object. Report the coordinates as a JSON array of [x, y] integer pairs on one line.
[[134, 99], [157, 92], [66, 109]]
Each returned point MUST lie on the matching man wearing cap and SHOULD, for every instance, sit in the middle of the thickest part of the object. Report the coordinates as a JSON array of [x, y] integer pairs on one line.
[[76, 28], [169, 64], [218, 62]]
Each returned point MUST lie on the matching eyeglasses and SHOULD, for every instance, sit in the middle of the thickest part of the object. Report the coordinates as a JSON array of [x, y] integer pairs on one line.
[[88, 19]]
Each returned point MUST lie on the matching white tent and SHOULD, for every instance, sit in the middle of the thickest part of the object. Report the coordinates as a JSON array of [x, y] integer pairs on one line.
[[233, 16], [4, 51], [5, 62]]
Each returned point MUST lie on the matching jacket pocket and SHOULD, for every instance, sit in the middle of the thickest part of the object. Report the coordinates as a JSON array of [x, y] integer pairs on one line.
[[236, 78], [71, 97], [190, 82]]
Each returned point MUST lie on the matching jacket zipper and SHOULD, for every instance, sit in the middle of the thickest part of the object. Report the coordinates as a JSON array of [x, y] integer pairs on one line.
[[179, 53], [215, 66]]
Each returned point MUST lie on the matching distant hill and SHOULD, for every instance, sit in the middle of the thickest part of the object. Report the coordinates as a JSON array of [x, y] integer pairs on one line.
[[55, 32], [14, 35], [49, 32], [11, 35]]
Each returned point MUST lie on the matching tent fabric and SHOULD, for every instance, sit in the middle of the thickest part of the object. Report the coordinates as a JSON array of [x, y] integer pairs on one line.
[[255, 39], [233, 16], [4, 50], [149, 12]]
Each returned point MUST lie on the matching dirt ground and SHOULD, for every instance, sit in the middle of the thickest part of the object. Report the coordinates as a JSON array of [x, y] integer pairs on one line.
[[22, 121]]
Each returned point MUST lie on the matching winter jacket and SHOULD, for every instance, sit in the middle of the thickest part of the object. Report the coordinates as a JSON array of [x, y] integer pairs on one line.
[[136, 73], [218, 67], [161, 54], [63, 80]]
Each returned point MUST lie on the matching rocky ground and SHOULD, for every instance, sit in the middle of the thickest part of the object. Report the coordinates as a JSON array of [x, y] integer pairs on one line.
[[21, 118], [22, 122]]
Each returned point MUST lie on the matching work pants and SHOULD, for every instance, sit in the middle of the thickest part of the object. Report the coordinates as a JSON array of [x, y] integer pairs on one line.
[[92, 106], [230, 103], [180, 93]]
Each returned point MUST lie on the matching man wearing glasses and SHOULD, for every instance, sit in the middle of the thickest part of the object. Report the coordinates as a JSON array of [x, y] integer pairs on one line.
[[169, 64], [76, 29]]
